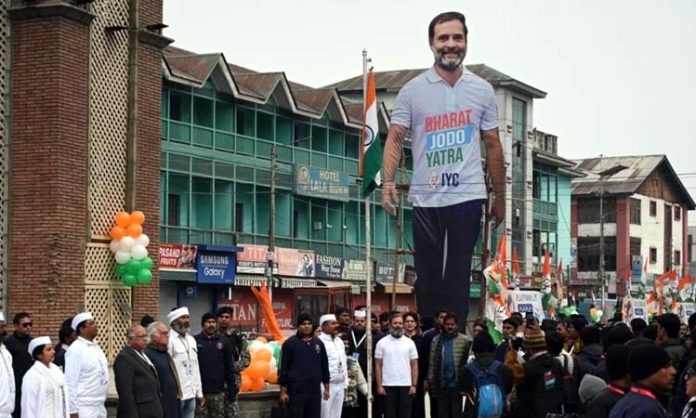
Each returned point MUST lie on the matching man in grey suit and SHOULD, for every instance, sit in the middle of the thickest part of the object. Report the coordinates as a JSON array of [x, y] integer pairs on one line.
[[137, 384]]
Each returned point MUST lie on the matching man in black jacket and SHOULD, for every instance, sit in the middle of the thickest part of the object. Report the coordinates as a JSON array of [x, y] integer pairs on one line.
[[304, 365], [217, 368], [539, 380], [589, 356], [156, 351], [18, 344], [240, 354], [619, 383], [137, 385]]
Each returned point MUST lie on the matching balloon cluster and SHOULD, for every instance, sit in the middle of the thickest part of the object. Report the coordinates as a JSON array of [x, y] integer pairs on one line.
[[596, 315], [265, 359], [129, 245]]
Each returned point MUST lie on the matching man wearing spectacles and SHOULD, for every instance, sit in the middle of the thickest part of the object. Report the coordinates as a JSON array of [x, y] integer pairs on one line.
[[18, 345]]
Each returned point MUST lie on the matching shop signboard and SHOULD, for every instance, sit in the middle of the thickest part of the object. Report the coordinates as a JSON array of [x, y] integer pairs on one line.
[[177, 256], [215, 267], [330, 267], [322, 183], [295, 263]]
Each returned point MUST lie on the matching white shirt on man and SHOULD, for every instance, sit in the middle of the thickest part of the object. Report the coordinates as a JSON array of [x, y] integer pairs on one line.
[[184, 352], [396, 355], [7, 383], [336, 353], [86, 374]]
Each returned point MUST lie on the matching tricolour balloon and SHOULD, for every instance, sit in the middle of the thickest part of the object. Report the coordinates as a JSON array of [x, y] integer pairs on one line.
[[129, 280], [133, 266], [246, 384], [257, 384], [134, 230], [122, 257], [126, 243], [143, 240], [261, 355], [114, 246], [117, 233], [123, 219], [138, 252], [144, 276], [137, 217], [258, 369], [147, 263], [121, 269]]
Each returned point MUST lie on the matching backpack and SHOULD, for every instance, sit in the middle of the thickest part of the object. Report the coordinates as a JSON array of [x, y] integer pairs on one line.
[[489, 391], [571, 400]]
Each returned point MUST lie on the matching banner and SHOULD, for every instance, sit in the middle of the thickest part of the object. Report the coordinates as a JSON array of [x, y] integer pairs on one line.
[[296, 263], [355, 271], [522, 301], [685, 310], [177, 256], [214, 267], [330, 267], [634, 308], [253, 259], [384, 272], [322, 183]]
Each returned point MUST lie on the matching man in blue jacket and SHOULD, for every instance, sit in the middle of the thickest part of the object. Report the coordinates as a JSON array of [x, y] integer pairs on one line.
[[304, 365], [652, 375]]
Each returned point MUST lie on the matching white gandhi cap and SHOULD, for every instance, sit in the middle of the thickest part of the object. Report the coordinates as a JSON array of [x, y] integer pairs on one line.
[[38, 342], [177, 313], [327, 317], [79, 318]]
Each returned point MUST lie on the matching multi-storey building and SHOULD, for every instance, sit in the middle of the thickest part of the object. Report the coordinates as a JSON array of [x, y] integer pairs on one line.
[[644, 206]]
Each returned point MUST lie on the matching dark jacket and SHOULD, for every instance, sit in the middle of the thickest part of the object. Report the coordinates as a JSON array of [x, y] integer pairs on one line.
[[676, 351], [59, 359], [601, 405], [436, 368], [587, 360], [541, 390], [482, 361], [168, 380], [634, 405], [216, 363], [137, 385], [303, 365], [360, 347], [22, 361]]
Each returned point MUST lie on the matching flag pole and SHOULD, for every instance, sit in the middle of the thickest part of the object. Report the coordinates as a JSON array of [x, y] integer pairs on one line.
[[368, 261]]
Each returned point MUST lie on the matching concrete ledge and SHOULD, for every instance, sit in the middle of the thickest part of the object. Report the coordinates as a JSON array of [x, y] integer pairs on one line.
[[66, 10]]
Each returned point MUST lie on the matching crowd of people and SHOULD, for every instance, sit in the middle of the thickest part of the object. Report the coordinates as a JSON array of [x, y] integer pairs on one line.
[[552, 368], [162, 372]]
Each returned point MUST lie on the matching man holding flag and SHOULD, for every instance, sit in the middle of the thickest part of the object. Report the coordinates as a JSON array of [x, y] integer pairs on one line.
[[449, 111]]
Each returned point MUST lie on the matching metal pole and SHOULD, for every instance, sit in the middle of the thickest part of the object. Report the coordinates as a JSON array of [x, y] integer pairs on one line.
[[397, 247], [601, 241], [132, 118], [484, 254], [271, 226], [368, 279]]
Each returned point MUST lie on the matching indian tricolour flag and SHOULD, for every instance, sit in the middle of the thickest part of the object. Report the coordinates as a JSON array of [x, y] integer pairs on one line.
[[371, 152]]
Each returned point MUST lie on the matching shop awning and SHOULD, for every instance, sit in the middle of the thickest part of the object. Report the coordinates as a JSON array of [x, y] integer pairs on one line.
[[401, 288], [294, 282], [178, 275], [249, 280], [334, 283]]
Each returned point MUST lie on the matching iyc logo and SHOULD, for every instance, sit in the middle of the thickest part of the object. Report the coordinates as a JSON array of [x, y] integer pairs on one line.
[[444, 179]]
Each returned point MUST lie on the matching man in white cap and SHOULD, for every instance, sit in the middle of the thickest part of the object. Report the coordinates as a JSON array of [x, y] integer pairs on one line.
[[7, 381], [338, 375], [86, 371], [182, 348]]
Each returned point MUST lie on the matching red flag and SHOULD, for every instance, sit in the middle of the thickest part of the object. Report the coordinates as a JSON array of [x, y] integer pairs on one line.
[[559, 280], [515, 262]]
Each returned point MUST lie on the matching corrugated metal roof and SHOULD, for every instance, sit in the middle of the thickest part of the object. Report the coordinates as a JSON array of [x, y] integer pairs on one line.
[[627, 181], [193, 67]]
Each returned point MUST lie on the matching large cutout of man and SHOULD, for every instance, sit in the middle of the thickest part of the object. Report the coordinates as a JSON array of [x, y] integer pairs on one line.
[[449, 111]]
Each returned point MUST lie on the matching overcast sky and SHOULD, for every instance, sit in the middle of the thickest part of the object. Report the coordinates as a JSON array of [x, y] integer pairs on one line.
[[620, 75]]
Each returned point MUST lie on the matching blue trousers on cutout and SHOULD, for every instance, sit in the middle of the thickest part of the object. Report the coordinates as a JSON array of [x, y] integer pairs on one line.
[[443, 277]]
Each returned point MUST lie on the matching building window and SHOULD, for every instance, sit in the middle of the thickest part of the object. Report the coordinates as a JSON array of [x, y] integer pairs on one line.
[[239, 217], [635, 212], [179, 106], [174, 207], [677, 213], [677, 258], [653, 255], [653, 208], [589, 253], [519, 120], [689, 248], [588, 210]]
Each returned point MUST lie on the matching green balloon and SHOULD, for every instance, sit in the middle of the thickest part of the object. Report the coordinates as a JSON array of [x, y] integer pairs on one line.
[[121, 269], [129, 280], [147, 263], [133, 266], [144, 276]]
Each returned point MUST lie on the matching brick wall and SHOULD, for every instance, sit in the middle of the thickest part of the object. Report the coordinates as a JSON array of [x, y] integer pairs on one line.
[[48, 166]]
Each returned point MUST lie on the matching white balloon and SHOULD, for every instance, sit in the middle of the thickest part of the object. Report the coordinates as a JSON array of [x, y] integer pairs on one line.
[[143, 240], [114, 246], [138, 252], [122, 257], [273, 363], [127, 243]]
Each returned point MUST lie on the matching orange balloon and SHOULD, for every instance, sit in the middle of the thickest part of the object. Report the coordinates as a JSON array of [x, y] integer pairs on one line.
[[246, 384], [123, 219], [273, 379], [262, 339], [137, 217], [257, 384], [261, 355], [117, 233], [258, 369], [134, 230]]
